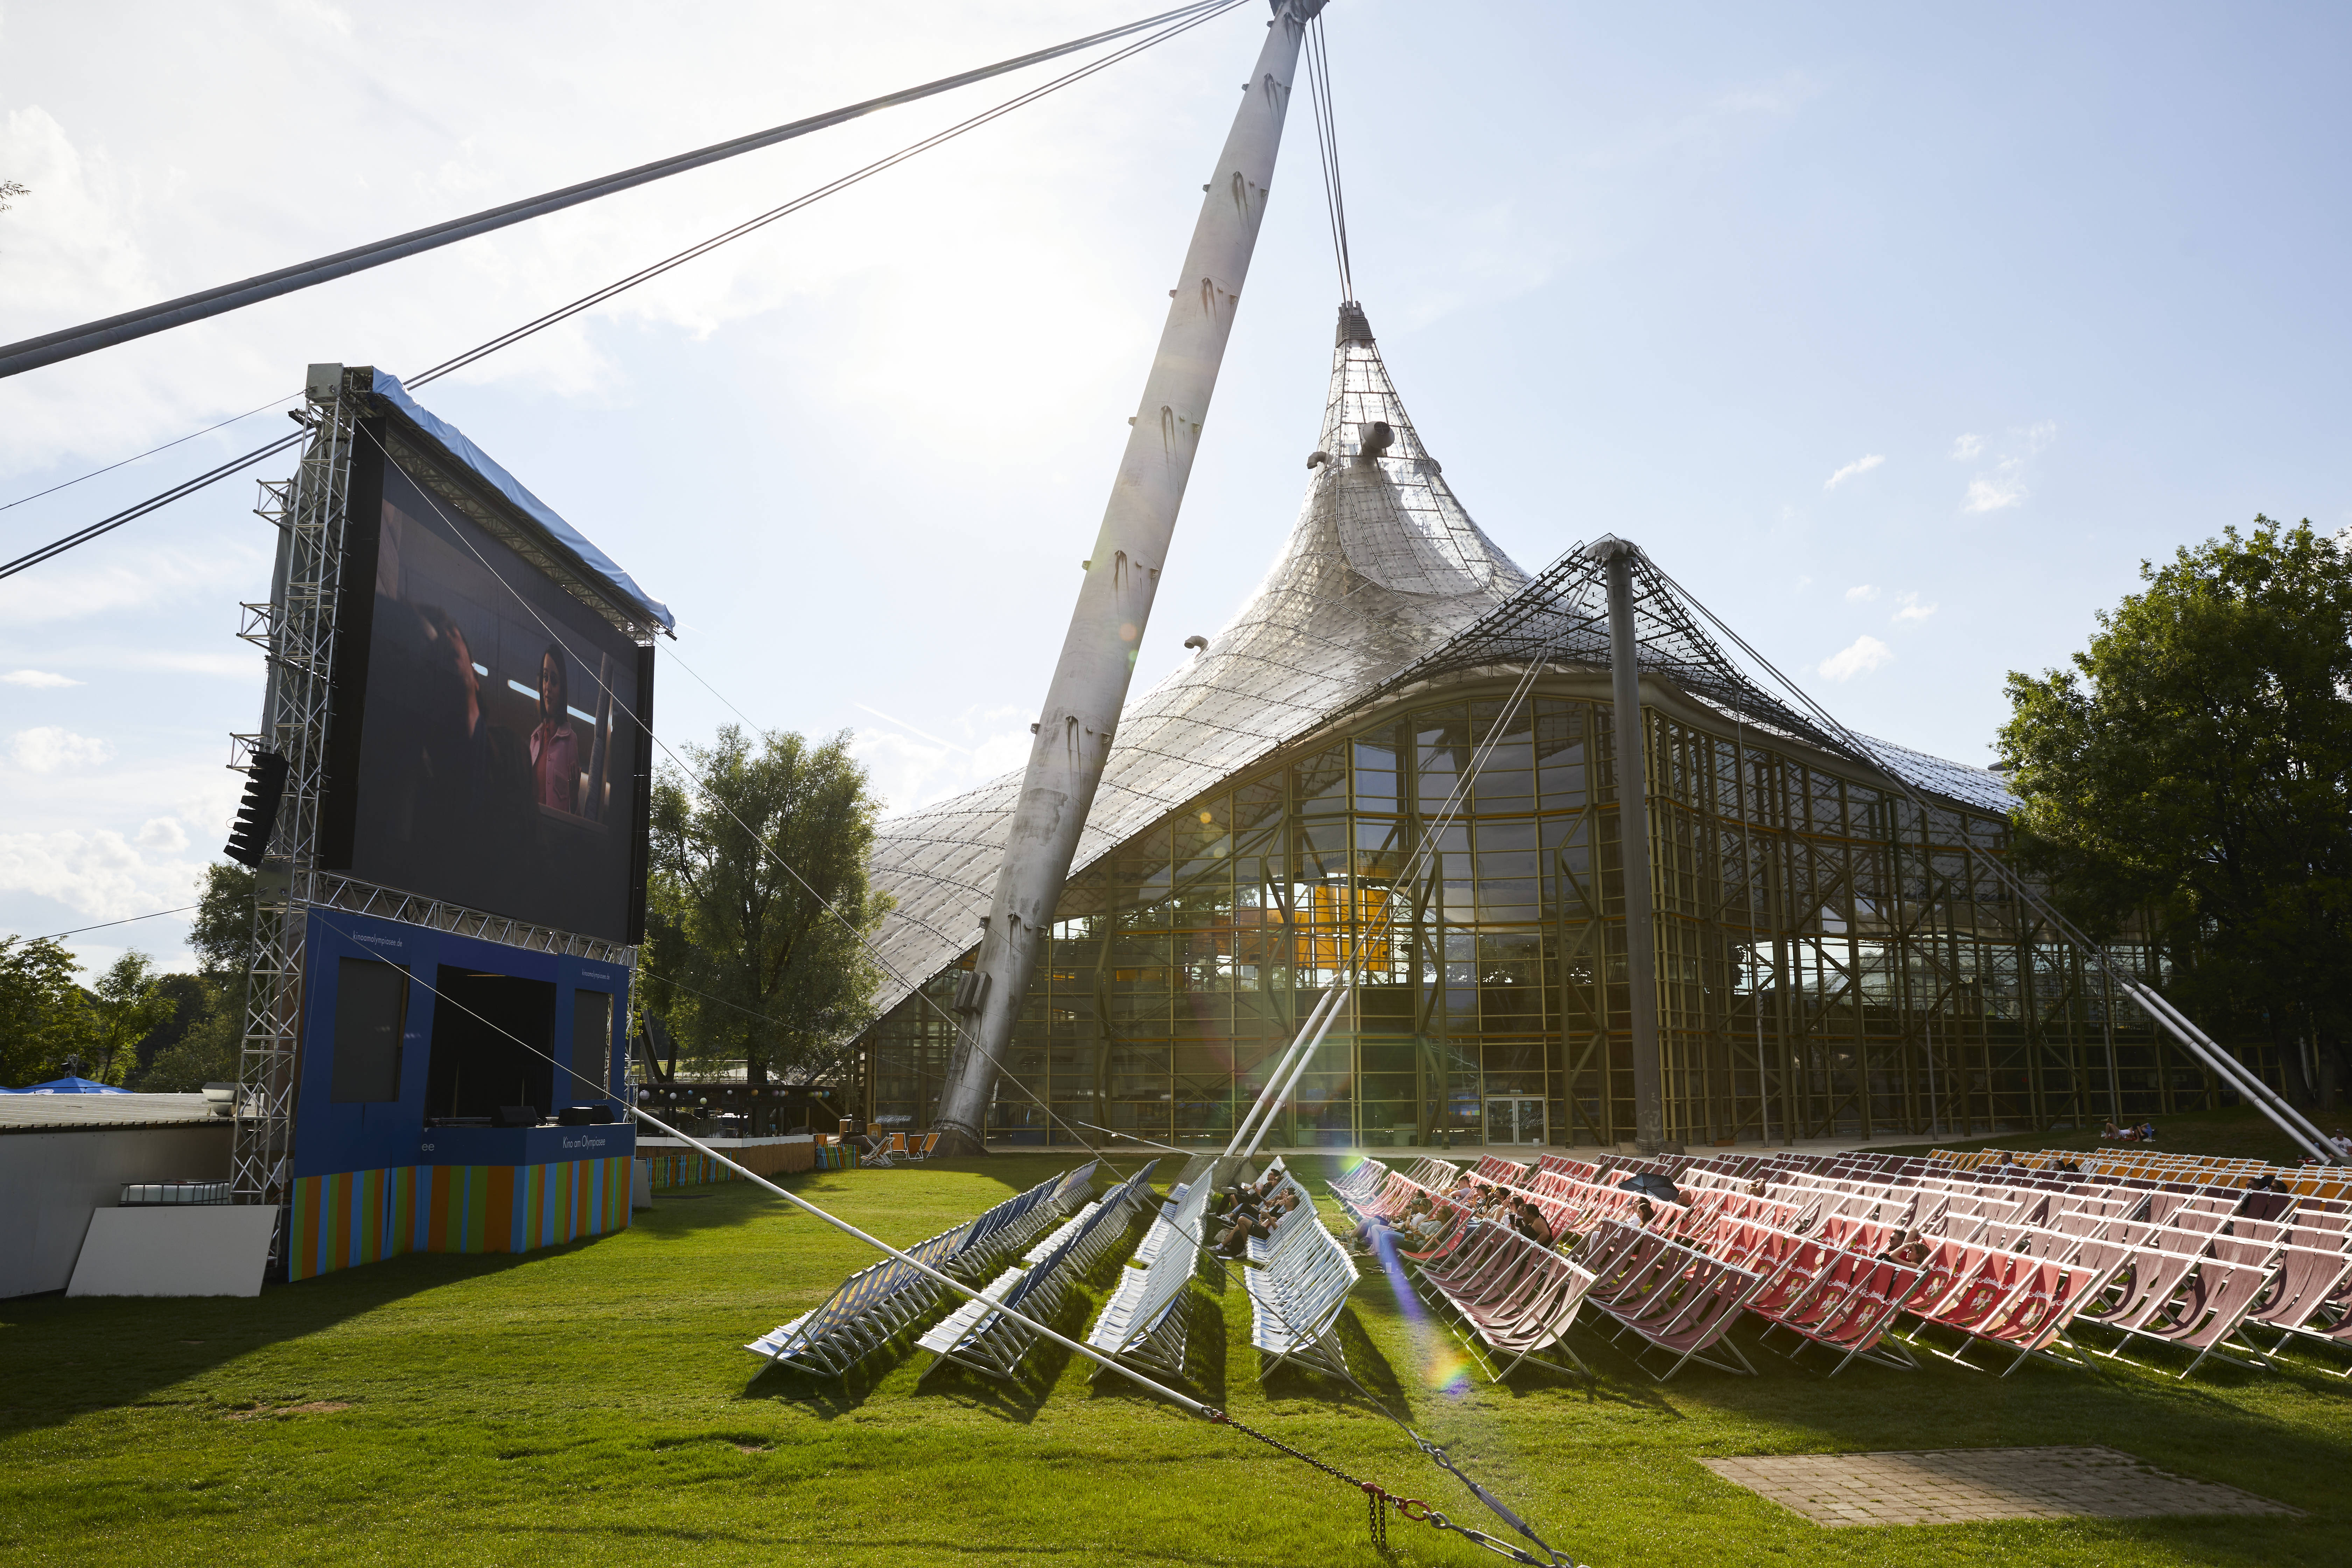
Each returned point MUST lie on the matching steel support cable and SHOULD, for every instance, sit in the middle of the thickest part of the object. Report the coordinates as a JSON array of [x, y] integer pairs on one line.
[[69, 342], [1278, 1088], [135, 457], [1193, 16], [1327, 145], [2279, 1110], [1378, 1495], [872, 952]]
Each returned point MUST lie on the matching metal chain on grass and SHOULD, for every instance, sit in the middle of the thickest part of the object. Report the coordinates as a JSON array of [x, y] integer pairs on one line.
[[1380, 1500]]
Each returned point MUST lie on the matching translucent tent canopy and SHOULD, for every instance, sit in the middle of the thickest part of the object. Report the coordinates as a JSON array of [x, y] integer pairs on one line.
[[1383, 567], [1384, 586]]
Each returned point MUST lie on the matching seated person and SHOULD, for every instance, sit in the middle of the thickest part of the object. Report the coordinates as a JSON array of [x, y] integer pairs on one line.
[[1236, 1239], [1531, 1223], [2147, 1131], [1905, 1246]]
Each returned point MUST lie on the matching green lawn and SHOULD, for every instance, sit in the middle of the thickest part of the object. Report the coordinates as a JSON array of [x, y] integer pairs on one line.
[[590, 1404]]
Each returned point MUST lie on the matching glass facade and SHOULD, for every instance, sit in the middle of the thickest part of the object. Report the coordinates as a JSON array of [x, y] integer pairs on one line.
[[1829, 960]]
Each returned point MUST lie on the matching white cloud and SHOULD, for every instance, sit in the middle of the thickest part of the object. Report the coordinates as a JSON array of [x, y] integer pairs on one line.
[[2002, 488], [1865, 655], [1966, 447], [163, 833], [1912, 609], [149, 579], [1859, 466], [1861, 594], [101, 876], [37, 678], [913, 768], [2005, 486], [49, 748]]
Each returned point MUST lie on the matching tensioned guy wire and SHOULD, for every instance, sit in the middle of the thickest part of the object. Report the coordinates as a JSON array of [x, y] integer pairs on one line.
[[1193, 17], [766, 848], [1380, 1495], [69, 342]]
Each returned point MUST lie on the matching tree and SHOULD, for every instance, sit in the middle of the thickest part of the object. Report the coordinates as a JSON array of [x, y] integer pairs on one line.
[[127, 1005], [742, 959], [222, 935], [2196, 765], [44, 1017]]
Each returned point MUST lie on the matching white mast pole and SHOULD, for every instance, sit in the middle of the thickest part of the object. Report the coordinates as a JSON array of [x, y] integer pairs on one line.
[[1090, 681]]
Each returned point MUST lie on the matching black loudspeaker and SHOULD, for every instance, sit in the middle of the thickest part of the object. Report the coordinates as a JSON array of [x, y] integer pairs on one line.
[[583, 1116], [515, 1116], [257, 815]]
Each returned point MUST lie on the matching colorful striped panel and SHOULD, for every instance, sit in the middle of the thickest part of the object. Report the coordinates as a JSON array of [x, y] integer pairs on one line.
[[351, 1218]]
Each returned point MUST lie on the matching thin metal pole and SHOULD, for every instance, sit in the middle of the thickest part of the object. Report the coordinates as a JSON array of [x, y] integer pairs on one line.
[[1267, 1095], [1300, 1071], [1634, 847]]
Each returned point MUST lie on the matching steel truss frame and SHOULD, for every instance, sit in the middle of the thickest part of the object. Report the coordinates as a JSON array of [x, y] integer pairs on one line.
[[296, 629]]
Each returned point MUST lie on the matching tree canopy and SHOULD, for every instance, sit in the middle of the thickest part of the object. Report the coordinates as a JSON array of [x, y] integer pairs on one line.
[[2195, 766], [203, 1045], [743, 959], [44, 1017]]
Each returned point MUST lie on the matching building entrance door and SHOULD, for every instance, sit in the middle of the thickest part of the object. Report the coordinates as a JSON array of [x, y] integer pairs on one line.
[[1515, 1118]]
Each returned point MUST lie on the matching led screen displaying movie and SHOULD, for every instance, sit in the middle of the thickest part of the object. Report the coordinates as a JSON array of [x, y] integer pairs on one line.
[[498, 765]]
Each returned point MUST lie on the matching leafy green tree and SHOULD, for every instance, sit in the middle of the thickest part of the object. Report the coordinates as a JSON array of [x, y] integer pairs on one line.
[[205, 1050], [44, 1016], [127, 1005], [2196, 763], [742, 959]]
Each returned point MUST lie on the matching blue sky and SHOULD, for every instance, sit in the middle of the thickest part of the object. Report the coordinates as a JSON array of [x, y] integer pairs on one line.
[[1899, 338]]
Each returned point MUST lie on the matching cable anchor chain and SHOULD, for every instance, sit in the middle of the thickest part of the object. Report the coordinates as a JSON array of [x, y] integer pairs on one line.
[[1379, 1499]]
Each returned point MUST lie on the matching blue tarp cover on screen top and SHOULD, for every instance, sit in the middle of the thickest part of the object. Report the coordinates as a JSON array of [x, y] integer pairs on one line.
[[387, 386]]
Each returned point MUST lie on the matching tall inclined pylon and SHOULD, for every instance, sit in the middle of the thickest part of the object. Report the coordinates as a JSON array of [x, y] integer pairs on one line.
[[1090, 680]]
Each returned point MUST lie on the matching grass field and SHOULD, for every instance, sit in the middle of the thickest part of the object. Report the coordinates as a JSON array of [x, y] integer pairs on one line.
[[590, 1404]]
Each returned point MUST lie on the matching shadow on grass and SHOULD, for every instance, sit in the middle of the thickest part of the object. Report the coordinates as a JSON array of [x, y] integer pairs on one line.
[[68, 1357], [1204, 1358], [1019, 1398]]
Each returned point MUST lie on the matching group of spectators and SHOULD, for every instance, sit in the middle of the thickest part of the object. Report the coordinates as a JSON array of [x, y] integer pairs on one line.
[[1422, 1226], [1249, 1211]]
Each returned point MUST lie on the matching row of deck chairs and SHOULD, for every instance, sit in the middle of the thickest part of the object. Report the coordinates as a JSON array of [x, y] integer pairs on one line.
[[1298, 1279], [984, 1337], [2211, 1170], [1146, 1320], [2014, 1258], [2202, 1268], [873, 1305], [1513, 1300]]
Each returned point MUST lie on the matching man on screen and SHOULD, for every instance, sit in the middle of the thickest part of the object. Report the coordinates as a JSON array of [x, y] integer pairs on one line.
[[554, 747]]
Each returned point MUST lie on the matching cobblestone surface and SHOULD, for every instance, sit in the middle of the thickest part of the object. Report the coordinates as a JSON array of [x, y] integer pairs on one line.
[[1962, 1486]]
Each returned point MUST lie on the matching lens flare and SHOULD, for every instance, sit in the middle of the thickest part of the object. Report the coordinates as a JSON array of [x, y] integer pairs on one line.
[[1444, 1367]]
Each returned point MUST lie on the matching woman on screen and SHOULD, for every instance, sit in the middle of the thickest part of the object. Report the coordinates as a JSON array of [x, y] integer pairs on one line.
[[554, 748]]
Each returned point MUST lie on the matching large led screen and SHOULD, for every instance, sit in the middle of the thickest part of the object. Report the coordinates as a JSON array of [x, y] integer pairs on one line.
[[497, 762]]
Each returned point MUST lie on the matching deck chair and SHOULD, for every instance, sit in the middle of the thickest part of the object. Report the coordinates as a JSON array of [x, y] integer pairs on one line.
[[1297, 1294], [1147, 1318]]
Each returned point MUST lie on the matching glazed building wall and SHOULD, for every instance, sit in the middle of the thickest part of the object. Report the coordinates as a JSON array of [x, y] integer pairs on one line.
[[1831, 961]]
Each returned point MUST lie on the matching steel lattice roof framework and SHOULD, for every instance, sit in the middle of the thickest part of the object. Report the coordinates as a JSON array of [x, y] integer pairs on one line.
[[1385, 585]]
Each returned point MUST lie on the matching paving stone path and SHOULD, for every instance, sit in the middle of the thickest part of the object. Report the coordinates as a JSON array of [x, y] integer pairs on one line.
[[1963, 1486]]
